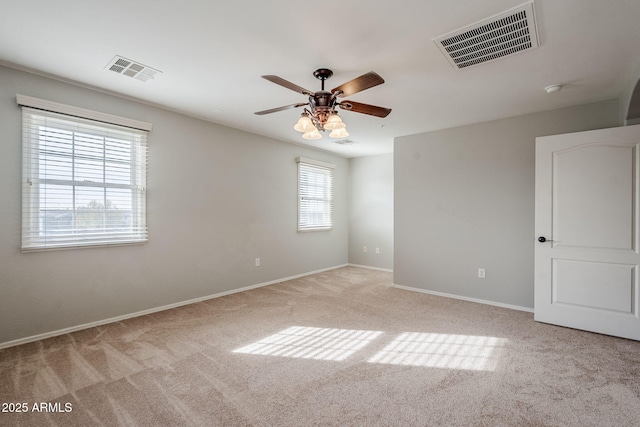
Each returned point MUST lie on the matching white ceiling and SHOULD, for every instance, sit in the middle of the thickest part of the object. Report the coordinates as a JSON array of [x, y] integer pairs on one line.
[[212, 54]]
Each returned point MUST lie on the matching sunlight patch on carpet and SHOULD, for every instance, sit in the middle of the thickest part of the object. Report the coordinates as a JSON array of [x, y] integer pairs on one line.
[[446, 351], [312, 343]]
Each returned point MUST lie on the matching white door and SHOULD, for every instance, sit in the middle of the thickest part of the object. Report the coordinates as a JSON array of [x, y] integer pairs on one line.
[[587, 231]]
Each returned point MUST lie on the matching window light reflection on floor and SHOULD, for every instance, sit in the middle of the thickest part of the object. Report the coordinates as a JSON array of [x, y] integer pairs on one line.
[[446, 351], [312, 343]]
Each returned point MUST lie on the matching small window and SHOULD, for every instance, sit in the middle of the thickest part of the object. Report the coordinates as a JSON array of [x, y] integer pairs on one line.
[[84, 182], [315, 195]]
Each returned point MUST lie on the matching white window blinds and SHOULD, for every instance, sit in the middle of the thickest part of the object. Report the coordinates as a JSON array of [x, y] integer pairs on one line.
[[315, 195], [83, 182]]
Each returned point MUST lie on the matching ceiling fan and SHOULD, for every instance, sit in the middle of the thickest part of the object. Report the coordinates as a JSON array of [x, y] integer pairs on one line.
[[320, 111]]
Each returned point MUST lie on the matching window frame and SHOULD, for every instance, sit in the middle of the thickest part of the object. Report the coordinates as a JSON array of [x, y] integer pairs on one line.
[[111, 133], [306, 165]]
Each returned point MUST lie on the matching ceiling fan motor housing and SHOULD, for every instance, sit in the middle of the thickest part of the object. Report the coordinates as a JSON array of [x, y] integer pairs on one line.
[[322, 99]]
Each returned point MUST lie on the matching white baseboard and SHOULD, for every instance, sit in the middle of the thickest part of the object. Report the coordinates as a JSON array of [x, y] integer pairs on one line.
[[155, 309], [388, 270], [479, 301]]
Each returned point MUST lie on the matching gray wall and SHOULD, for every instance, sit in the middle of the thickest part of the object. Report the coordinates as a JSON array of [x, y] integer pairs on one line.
[[464, 199], [630, 99], [217, 199], [371, 210]]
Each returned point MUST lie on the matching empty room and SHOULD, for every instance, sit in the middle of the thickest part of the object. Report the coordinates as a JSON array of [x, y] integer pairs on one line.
[[349, 213]]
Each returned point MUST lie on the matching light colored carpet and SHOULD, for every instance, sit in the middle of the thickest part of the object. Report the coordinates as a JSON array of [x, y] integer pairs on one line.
[[337, 348]]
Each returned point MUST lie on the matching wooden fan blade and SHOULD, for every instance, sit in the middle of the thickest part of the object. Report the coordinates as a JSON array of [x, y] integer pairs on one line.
[[358, 84], [275, 110], [285, 83], [359, 107]]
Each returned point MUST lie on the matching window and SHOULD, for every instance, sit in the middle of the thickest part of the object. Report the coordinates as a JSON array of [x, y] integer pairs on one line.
[[315, 194], [83, 180]]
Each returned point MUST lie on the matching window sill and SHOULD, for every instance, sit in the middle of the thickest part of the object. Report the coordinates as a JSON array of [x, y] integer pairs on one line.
[[307, 230]]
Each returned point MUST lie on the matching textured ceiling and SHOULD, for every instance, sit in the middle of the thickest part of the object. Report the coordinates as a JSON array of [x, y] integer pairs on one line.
[[211, 55]]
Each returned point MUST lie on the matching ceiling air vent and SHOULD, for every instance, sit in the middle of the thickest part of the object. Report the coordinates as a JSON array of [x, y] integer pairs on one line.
[[493, 38], [131, 68], [345, 142]]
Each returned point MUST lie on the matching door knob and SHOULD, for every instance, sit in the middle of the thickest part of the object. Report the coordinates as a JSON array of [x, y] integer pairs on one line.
[[543, 239]]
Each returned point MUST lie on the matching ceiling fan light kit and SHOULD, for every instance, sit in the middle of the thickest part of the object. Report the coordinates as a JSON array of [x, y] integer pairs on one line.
[[312, 134], [304, 124], [320, 113], [339, 133], [334, 122]]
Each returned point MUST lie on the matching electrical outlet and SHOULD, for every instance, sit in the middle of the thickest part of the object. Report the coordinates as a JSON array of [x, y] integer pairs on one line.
[[481, 273], [364, 249], [377, 251], [257, 262]]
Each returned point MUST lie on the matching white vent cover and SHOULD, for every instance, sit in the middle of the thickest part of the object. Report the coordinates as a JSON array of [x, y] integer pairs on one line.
[[345, 142], [131, 68], [493, 38]]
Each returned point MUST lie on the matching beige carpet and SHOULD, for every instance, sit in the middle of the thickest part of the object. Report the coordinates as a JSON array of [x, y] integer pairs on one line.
[[336, 348]]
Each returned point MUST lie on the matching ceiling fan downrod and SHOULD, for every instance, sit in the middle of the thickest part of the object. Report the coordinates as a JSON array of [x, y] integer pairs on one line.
[[322, 74]]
